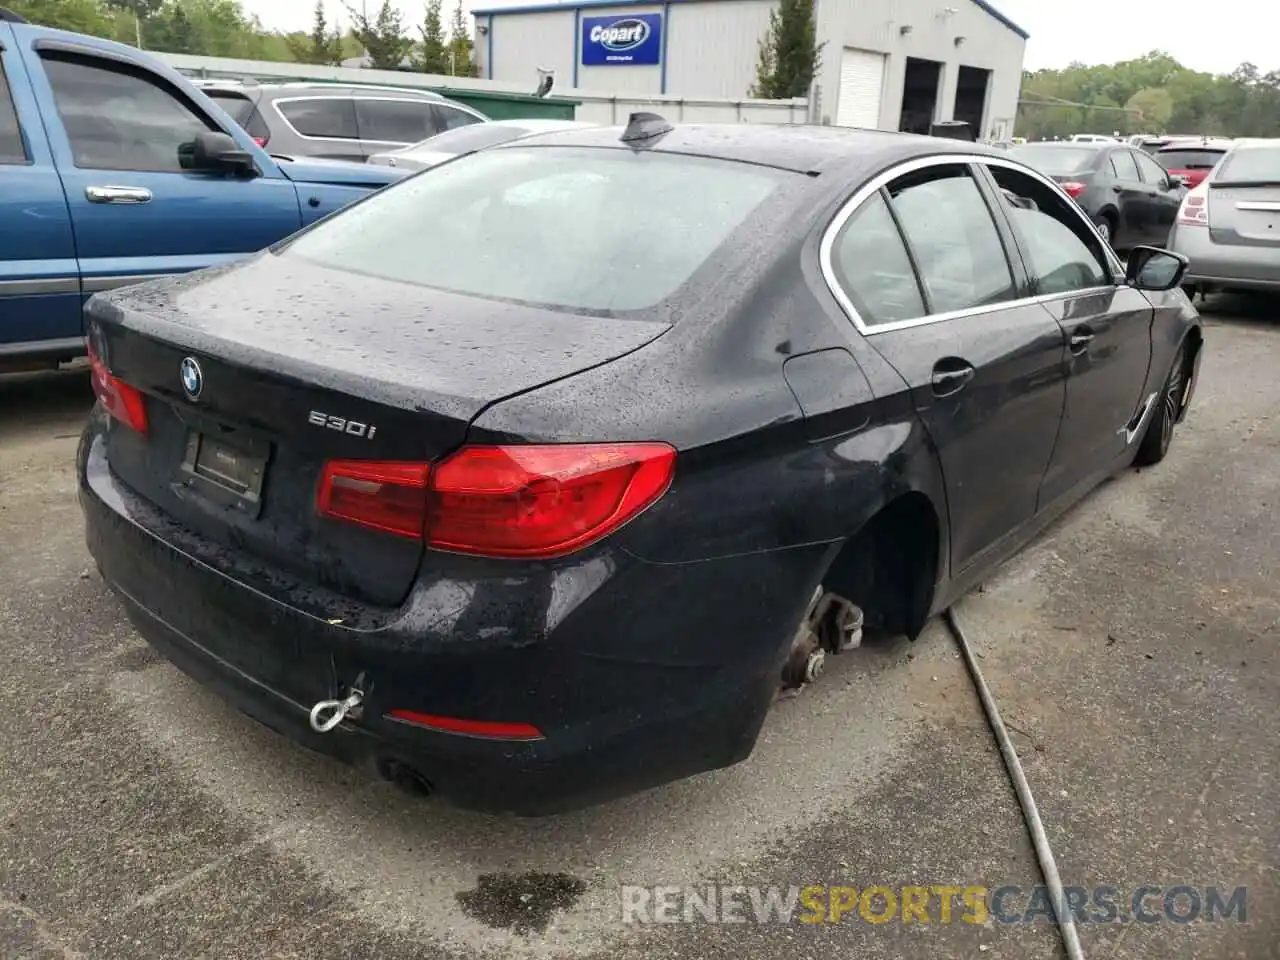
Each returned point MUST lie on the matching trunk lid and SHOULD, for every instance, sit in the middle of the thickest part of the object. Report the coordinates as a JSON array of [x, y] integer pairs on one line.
[[1193, 163], [1244, 198], [299, 364]]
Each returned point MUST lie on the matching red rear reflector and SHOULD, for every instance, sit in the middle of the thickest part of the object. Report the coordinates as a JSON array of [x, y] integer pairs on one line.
[[386, 496], [1073, 189], [470, 728], [503, 501], [120, 400], [542, 501]]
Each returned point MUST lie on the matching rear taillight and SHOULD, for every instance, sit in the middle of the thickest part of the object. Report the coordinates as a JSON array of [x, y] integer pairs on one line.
[[386, 496], [122, 401], [261, 141], [1194, 211], [1073, 188], [503, 501]]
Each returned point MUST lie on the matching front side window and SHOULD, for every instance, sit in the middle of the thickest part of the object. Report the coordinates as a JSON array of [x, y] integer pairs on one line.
[[120, 118], [955, 241], [873, 268], [565, 228], [1065, 254], [329, 118], [1151, 171], [395, 121], [12, 149]]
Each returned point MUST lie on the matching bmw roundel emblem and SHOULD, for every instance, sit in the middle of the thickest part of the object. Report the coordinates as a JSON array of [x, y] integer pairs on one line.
[[192, 377]]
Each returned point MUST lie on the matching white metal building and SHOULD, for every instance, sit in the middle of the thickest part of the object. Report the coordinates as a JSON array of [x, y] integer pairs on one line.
[[891, 64]]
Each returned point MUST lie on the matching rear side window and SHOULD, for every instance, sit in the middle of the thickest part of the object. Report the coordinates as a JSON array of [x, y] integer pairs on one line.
[[450, 118], [1189, 159], [873, 268], [567, 228], [330, 118], [237, 105], [119, 118], [1124, 166], [1252, 164], [396, 121], [12, 149], [950, 230]]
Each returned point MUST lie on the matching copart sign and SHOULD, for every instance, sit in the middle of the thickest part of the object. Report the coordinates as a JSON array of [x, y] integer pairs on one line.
[[633, 40]]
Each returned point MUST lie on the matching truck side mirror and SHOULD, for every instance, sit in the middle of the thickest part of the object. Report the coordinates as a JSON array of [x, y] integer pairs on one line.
[[213, 151]]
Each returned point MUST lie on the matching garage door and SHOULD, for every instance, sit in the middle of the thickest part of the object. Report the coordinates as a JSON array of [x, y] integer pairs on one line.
[[861, 89]]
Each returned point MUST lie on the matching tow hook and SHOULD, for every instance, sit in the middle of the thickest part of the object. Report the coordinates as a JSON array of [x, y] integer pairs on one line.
[[327, 714]]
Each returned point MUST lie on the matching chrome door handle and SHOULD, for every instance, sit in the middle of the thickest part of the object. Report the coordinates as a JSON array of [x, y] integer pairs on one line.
[[1080, 341], [948, 380], [118, 194]]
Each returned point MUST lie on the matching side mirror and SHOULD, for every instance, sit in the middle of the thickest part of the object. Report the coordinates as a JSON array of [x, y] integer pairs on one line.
[[213, 151], [1177, 181], [1150, 268]]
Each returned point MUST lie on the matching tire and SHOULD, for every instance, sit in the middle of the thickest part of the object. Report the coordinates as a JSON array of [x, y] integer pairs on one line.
[[1103, 224], [1159, 436]]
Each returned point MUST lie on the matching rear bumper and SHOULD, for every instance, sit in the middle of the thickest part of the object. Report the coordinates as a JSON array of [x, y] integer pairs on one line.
[[616, 717], [1225, 265]]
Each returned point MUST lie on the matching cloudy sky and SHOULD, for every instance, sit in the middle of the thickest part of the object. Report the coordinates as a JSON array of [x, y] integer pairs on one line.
[[1090, 30]]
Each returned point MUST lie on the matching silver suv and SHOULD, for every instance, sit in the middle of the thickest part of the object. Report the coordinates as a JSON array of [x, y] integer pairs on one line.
[[336, 122]]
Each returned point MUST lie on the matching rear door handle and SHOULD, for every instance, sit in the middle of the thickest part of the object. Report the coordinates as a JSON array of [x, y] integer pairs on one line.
[[118, 194], [951, 376], [1081, 337]]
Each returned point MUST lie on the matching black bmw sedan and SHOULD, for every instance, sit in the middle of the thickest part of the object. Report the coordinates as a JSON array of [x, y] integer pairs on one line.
[[536, 507], [1131, 199]]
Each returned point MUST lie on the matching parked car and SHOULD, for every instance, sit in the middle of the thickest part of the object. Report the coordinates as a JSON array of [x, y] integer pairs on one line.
[[114, 169], [454, 143], [1091, 138], [1229, 224], [533, 507], [1191, 159], [335, 122], [1128, 196]]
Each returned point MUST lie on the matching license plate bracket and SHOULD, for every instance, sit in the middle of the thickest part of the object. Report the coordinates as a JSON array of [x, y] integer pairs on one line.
[[228, 474]]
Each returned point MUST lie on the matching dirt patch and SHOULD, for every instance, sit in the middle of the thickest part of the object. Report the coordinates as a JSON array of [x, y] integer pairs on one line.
[[522, 903]]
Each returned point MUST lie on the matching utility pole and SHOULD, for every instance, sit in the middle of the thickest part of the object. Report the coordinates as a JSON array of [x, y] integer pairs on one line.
[[137, 27]]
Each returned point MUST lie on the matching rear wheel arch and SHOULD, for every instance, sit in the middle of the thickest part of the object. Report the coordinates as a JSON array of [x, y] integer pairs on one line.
[[889, 567]]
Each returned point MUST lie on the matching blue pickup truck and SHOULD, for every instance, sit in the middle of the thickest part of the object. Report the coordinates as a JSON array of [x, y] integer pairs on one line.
[[116, 169]]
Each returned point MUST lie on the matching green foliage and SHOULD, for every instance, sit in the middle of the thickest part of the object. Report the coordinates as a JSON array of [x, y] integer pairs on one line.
[[1152, 94], [790, 54], [383, 38], [322, 46], [432, 55], [461, 50], [82, 16]]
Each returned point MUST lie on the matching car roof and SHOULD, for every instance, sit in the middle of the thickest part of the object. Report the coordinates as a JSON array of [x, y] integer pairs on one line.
[[800, 147]]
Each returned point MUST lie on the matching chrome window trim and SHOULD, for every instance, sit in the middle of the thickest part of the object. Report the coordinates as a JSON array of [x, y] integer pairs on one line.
[[872, 186], [425, 101]]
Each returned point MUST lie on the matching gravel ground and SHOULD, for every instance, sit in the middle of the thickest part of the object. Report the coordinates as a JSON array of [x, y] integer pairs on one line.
[[1134, 648]]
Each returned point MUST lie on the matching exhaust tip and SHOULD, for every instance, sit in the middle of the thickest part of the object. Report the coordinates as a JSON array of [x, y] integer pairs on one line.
[[406, 778]]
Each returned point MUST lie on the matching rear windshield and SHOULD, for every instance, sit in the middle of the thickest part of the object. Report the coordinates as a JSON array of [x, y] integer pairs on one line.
[[1256, 163], [237, 104], [1192, 159], [572, 228], [474, 136], [1054, 160]]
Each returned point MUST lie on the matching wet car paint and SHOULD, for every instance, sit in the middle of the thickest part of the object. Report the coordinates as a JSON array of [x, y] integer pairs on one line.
[[654, 653]]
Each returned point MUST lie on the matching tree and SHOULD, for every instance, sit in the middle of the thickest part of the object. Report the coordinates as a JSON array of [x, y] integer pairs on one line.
[[789, 52], [180, 34], [461, 50], [383, 38], [82, 16], [322, 46], [1152, 108], [432, 55]]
